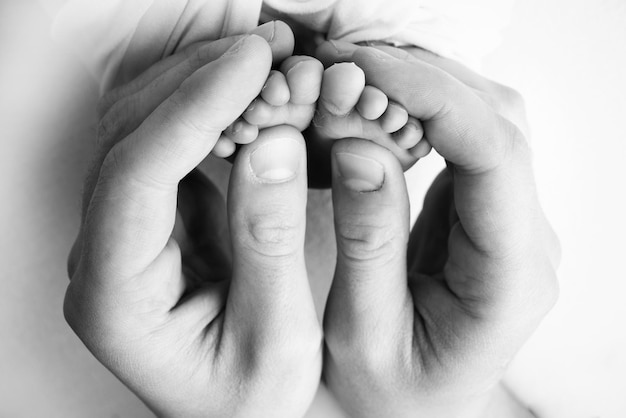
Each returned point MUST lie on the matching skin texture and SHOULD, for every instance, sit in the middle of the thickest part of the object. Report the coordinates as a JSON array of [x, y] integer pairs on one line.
[[346, 108], [201, 319], [193, 325], [424, 324]]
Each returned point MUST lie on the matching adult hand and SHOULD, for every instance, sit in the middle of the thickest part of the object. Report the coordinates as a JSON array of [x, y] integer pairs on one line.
[[431, 335], [160, 308]]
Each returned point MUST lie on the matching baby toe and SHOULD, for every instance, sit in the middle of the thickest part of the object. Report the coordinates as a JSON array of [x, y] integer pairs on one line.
[[394, 118], [242, 132], [372, 103], [342, 87], [304, 78], [422, 149], [224, 147], [409, 135], [259, 112], [276, 91]]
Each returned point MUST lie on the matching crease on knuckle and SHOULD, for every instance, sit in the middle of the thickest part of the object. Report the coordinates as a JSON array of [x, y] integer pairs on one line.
[[508, 147], [273, 235], [367, 242]]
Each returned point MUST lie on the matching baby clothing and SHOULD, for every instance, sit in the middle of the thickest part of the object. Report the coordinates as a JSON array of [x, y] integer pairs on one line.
[[118, 39]]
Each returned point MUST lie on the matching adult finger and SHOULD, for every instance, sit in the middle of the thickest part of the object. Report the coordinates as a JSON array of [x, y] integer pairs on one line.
[[490, 156], [125, 108], [277, 34], [269, 297], [371, 210], [502, 99], [493, 256], [132, 210]]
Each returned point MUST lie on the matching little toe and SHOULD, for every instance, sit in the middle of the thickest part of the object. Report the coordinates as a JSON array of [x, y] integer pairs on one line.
[[372, 103], [394, 118], [242, 132], [304, 78], [259, 112], [410, 134], [297, 116], [224, 147], [276, 91], [422, 149], [342, 87]]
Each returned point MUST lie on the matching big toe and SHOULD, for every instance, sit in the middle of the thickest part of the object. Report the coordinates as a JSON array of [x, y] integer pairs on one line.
[[304, 79], [342, 86]]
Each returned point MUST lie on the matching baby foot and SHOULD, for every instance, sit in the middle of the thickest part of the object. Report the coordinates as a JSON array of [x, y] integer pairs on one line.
[[288, 98], [348, 108]]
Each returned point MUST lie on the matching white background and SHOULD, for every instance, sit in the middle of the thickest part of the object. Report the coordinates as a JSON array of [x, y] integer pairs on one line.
[[568, 58]]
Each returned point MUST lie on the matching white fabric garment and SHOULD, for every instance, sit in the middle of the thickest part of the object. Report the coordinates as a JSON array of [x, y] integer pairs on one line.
[[121, 38]]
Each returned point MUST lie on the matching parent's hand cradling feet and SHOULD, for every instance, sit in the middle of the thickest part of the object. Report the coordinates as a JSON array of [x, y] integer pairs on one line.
[[431, 335], [161, 309]]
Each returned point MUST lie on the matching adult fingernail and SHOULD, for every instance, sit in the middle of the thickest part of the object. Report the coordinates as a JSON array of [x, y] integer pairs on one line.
[[236, 46], [267, 31], [359, 173], [378, 54], [343, 48], [276, 161]]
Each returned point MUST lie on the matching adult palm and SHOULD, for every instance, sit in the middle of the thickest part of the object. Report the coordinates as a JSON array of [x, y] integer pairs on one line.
[[426, 322], [156, 293]]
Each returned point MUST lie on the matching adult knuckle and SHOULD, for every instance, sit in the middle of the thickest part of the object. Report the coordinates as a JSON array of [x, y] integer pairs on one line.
[[361, 241], [273, 234], [107, 101], [108, 127], [509, 145], [74, 257], [514, 99], [510, 100], [551, 290], [72, 311], [555, 246], [117, 122], [112, 163]]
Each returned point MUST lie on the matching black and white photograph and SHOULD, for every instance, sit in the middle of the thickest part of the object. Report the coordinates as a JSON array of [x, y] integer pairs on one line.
[[312, 208]]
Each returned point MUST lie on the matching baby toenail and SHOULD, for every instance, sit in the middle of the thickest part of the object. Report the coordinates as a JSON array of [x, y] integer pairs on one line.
[[414, 125], [237, 127], [378, 54], [296, 65]]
